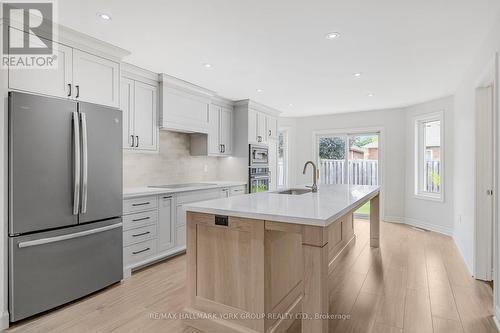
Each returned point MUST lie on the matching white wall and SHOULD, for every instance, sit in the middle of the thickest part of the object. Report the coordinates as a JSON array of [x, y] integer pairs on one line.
[[392, 142], [432, 215]]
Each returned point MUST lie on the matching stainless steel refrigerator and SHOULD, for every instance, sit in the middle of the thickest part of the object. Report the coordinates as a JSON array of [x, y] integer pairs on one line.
[[65, 201]]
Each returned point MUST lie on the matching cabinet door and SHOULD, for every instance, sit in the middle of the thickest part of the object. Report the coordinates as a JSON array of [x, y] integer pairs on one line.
[[272, 127], [165, 223], [261, 127], [53, 82], [273, 164], [127, 107], [214, 143], [96, 79], [226, 130], [252, 126], [145, 116]]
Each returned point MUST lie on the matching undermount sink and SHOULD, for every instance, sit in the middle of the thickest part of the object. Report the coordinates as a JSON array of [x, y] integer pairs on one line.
[[295, 191]]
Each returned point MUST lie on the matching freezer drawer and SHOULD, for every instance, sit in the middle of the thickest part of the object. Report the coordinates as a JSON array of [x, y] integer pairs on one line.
[[52, 268]]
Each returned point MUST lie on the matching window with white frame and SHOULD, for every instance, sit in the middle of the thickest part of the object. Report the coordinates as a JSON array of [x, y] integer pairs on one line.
[[429, 152], [282, 158]]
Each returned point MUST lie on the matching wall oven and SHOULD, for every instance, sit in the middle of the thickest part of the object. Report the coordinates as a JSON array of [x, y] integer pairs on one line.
[[259, 155], [258, 169]]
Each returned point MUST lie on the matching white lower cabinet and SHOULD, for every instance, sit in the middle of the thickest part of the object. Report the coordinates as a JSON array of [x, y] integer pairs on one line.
[[154, 226], [166, 216]]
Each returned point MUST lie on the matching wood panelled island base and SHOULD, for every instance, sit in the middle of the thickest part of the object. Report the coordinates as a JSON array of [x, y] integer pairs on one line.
[[256, 275]]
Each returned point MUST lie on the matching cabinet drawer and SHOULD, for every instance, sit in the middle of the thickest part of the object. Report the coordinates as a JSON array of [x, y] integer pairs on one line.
[[140, 219], [139, 204], [195, 196], [139, 235], [238, 190], [133, 254]]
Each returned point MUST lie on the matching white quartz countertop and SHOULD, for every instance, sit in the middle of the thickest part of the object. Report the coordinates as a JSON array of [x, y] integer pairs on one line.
[[132, 192], [320, 209]]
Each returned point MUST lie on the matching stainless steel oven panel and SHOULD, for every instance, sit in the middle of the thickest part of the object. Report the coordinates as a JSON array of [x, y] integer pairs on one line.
[[259, 155]]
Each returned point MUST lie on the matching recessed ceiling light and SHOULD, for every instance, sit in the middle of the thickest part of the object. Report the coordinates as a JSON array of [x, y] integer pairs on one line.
[[356, 74], [332, 35], [370, 94], [207, 65], [290, 105], [104, 16], [259, 90]]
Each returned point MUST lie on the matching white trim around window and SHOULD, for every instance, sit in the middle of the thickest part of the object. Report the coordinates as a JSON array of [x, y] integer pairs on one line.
[[421, 188]]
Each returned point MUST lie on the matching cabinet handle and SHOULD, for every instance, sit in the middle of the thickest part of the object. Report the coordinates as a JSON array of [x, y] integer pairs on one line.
[[141, 234], [77, 91], [223, 148], [137, 141], [269, 132], [169, 197], [137, 252], [141, 204], [69, 91], [141, 219], [132, 141]]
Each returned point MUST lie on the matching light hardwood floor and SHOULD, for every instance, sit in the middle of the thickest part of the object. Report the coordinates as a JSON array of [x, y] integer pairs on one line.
[[415, 282]]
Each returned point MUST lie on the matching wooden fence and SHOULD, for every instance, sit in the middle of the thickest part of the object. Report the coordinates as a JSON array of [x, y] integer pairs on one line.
[[360, 172]]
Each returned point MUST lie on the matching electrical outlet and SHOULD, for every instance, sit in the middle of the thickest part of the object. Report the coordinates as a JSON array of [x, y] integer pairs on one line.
[[459, 219], [205, 168]]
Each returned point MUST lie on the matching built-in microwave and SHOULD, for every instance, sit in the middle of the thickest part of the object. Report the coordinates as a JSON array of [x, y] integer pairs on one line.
[[259, 155]]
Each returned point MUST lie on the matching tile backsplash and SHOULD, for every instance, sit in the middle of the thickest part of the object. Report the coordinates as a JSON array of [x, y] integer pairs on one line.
[[173, 164]]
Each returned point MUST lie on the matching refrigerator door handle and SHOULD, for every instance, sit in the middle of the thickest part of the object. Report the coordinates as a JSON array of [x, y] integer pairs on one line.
[[42, 241], [76, 171], [85, 163]]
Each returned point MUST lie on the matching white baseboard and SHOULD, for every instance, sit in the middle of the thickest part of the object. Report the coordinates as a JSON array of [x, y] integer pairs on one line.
[[471, 270], [4, 320], [419, 224], [496, 317]]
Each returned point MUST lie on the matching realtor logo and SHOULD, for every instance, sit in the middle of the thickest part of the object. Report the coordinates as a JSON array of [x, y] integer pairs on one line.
[[28, 39]]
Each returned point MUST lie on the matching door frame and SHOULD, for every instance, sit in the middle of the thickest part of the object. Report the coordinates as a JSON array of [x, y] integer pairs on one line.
[[483, 267], [359, 130]]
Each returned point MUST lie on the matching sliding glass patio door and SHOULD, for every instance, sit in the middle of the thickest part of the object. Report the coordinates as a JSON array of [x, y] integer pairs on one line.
[[350, 158]]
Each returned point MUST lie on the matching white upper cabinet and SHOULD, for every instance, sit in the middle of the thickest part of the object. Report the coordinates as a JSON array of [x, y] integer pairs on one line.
[[226, 130], [213, 139], [127, 106], [272, 127], [184, 106], [261, 127], [54, 82], [79, 75], [145, 116], [252, 126], [139, 103], [219, 139], [96, 79]]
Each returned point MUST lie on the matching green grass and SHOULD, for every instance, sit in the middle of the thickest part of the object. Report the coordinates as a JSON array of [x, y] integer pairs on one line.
[[365, 209]]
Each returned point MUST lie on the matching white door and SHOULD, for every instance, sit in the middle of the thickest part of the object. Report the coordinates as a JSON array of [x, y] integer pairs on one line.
[[484, 183], [53, 82], [226, 130], [214, 144], [261, 127], [165, 224], [96, 79], [252, 126], [145, 118], [127, 107]]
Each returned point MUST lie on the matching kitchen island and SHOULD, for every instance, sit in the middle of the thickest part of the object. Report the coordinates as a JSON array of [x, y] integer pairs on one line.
[[258, 262]]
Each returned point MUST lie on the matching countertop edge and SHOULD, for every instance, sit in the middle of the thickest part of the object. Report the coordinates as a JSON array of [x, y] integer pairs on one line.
[[281, 218], [145, 191]]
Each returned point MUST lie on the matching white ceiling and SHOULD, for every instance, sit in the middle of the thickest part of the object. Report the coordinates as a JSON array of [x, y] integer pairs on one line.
[[409, 51]]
